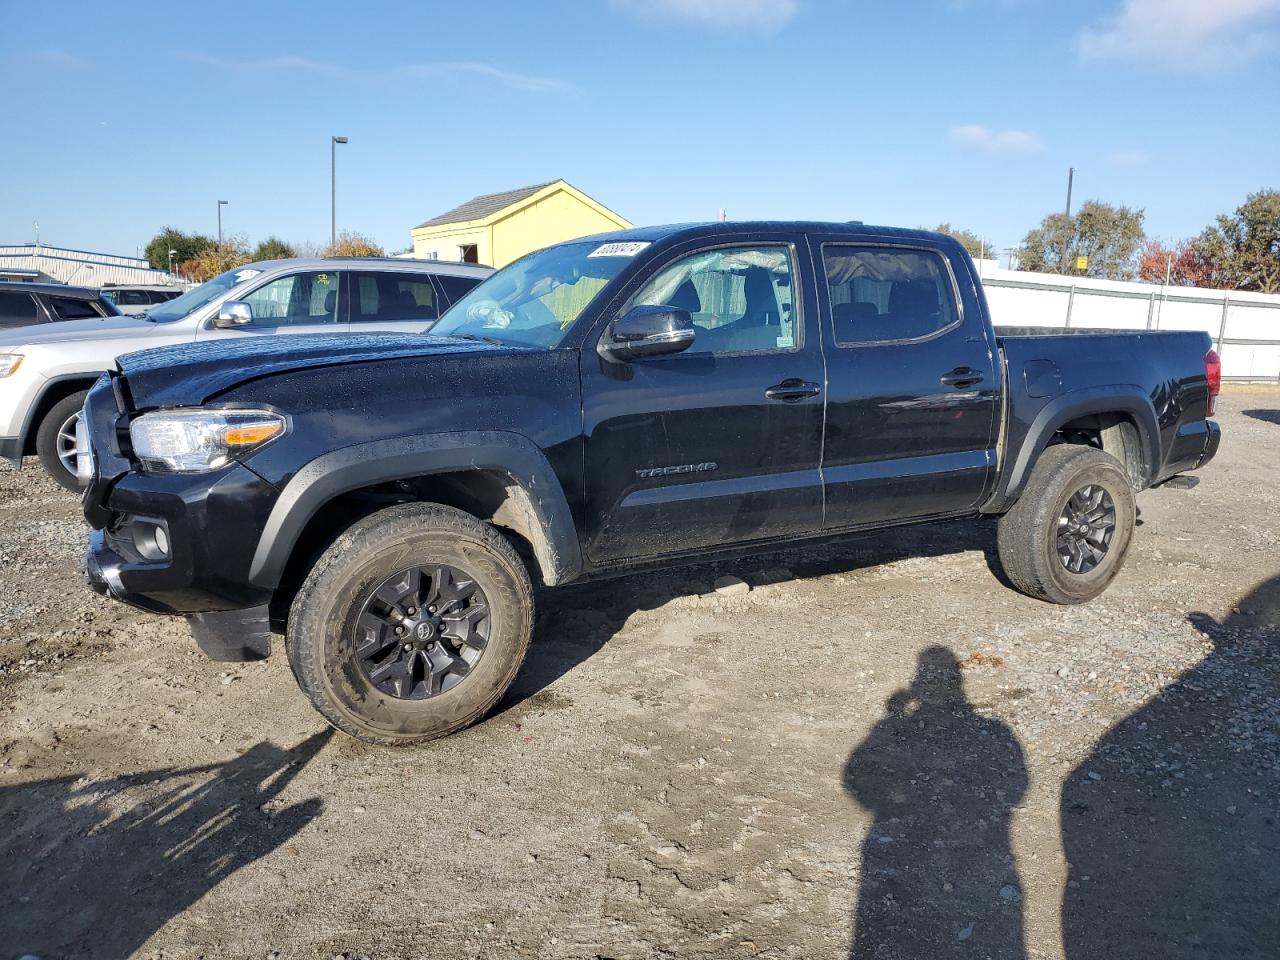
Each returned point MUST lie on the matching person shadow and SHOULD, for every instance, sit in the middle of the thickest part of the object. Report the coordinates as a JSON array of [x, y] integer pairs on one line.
[[1171, 825], [94, 868], [938, 877]]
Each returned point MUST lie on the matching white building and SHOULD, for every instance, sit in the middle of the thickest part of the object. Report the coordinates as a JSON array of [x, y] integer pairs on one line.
[[30, 261]]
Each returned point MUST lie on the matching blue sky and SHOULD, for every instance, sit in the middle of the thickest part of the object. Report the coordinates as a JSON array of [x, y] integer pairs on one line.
[[124, 117]]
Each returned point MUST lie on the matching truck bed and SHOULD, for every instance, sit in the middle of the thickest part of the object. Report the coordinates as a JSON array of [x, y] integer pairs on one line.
[[1052, 368]]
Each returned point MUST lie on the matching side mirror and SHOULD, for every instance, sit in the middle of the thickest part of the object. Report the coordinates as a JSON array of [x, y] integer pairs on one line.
[[233, 314], [649, 331]]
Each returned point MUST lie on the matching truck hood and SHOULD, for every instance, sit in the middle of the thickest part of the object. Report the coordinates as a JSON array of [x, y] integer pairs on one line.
[[190, 374], [94, 328]]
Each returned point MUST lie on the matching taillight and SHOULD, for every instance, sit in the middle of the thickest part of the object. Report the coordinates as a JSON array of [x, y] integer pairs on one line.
[[1213, 373]]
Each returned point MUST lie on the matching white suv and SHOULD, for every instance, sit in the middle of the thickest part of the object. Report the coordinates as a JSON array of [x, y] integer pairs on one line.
[[45, 370]]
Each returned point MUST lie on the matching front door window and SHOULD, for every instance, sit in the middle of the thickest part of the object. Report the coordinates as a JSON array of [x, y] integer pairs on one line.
[[740, 298], [300, 299]]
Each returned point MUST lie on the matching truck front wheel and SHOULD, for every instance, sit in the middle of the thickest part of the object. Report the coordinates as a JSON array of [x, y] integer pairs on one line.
[[411, 625], [1065, 539]]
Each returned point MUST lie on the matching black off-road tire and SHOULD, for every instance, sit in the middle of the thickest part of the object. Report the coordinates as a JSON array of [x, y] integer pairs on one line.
[[1027, 536], [321, 633], [47, 438]]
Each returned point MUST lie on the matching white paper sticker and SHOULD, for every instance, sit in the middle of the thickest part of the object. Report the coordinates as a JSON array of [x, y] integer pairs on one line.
[[629, 249], [244, 275]]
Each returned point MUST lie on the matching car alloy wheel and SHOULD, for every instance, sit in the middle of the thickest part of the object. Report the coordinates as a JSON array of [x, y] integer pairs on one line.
[[1085, 528], [421, 631]]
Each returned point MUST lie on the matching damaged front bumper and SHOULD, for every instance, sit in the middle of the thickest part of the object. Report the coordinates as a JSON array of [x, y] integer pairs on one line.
[[175, 544], [227, 635]]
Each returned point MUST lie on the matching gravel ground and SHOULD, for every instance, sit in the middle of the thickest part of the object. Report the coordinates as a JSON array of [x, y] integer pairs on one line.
[[877, 751]]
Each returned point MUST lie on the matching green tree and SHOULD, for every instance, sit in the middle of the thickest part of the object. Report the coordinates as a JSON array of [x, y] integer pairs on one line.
[[1243, 248], [273, 248], [976, 245], [185, 246], [1108, 235]]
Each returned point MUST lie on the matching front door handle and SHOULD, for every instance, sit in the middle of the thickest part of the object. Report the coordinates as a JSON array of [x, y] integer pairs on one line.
[[961, 377], [792, 390]]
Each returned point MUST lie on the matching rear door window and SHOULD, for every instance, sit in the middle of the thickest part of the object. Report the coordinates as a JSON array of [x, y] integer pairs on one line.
[[378, 297], [66, 308], [884, 294], [18, 309], [132, 298]]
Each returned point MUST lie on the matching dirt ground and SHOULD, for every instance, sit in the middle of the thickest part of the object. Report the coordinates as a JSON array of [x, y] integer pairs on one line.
[[800, 770]]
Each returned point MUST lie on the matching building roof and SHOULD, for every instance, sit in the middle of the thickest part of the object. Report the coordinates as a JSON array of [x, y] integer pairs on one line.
[[477, 208]]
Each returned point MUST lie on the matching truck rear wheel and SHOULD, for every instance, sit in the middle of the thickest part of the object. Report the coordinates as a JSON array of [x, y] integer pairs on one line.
[[1066, 538], [411, 625], [56, 439]]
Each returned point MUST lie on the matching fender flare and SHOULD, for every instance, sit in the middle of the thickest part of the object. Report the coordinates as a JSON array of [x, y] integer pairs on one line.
[[1123, 398], [26, 434], [554, 534]]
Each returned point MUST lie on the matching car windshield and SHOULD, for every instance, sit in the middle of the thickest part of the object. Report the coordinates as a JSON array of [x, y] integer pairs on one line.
[[192, 300], [534, 301]]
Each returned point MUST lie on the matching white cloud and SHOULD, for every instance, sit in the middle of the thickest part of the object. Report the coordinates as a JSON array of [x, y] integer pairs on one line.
[[56, 58], [996, 141], [485, 71], [1128, 158], [413, 71], [765, 16], [283, 64], [1186, 33]]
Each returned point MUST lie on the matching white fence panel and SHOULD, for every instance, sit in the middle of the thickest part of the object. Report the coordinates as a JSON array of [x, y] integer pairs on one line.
[[1249, 340], [1093, 310]]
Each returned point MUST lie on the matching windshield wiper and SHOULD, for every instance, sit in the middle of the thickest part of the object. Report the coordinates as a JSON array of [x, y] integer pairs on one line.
[[477, 338]]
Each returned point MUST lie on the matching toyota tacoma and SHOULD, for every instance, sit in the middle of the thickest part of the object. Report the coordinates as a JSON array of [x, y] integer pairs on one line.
[[389, 502]]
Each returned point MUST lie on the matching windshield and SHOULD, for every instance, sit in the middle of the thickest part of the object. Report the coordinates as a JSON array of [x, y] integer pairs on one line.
[[535, 300], [192, 300]]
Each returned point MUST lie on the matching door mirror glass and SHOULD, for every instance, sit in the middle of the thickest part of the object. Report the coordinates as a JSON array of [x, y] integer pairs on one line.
[[649, 331], [233, 314]]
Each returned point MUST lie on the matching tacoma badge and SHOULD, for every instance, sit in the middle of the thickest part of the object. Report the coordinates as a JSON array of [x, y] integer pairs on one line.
[[679, 468]]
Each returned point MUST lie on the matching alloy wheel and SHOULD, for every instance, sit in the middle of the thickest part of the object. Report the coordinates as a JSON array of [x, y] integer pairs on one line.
[[421, 631], [1085, 528], [66, 443]]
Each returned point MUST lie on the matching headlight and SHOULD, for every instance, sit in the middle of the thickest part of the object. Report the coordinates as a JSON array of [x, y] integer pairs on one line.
[[9, 363], [197, 441]]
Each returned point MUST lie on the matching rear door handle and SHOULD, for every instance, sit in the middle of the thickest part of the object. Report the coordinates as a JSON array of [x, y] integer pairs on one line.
[[961, 377], [792, 390]]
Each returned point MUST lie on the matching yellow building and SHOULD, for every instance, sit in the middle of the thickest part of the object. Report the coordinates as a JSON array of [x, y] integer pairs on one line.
[[501, 227]]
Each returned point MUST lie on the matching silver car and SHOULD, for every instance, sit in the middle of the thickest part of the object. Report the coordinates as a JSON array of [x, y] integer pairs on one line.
[[46, 370], [138, 299]]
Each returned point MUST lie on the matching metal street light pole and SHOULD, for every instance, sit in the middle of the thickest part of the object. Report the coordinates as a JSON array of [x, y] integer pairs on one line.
[[171, 253], [333, 189], [221, 204], [1066, 243]]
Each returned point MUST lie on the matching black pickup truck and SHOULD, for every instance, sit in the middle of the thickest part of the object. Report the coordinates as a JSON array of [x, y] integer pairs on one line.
[[655, 395]]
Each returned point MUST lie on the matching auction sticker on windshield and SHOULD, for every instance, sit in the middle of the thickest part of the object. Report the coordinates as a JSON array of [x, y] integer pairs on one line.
[[629, 249]]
